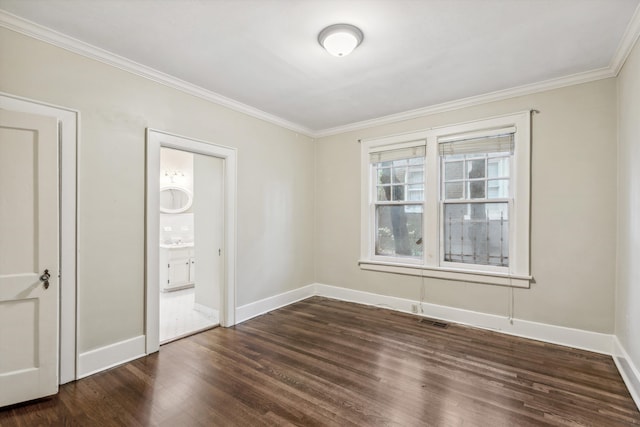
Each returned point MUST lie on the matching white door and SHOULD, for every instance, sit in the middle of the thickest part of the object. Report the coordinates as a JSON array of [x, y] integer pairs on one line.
[[208, 214], [28, 248]]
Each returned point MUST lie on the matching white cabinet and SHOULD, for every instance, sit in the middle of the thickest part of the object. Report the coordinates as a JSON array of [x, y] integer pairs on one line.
[[177, 267]]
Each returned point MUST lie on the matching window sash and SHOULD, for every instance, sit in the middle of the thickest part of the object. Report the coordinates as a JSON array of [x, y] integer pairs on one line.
[[465, 181], [479, 253], [407, 244], [393, 182]]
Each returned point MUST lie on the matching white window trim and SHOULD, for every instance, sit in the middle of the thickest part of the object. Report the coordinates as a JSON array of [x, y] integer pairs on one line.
[[432, 265]]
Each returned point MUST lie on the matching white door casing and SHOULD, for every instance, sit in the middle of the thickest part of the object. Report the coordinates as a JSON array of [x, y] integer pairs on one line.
[[29, 245], [155, 141]]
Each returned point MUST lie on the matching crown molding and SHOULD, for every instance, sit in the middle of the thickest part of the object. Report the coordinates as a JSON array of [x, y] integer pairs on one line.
[[31, 29], [574, 79], [629, 39]]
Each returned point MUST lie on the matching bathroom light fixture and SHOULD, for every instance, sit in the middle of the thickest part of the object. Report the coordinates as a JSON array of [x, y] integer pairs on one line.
[[173, 175], [340, 39]]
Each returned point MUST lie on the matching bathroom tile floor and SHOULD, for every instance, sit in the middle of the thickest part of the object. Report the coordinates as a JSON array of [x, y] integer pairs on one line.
[[178, 317]]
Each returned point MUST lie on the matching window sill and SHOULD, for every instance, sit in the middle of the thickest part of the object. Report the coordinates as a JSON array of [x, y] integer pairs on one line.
[[488, 278]]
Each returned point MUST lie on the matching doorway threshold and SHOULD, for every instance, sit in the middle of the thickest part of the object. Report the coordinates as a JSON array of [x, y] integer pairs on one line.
[[188, 334]]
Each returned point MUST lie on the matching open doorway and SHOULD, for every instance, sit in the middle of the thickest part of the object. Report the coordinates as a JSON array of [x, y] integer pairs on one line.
[[191, 229], [190, 272]]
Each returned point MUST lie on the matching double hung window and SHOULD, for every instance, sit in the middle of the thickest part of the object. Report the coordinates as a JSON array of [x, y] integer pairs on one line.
[[450, 202], [398, 199], [476, 199]]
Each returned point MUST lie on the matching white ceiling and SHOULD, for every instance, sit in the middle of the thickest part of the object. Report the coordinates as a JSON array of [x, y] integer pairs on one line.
[[415, 53]]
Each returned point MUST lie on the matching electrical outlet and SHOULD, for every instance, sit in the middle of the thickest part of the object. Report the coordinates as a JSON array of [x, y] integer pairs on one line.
[[414, 308]]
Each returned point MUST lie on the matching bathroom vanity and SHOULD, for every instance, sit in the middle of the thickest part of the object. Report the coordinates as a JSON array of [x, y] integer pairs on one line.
[[177, 266]]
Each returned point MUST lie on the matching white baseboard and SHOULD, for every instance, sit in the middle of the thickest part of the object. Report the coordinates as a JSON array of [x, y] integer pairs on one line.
[[251, 310], [111, 355], [629, 372], [576, 338]]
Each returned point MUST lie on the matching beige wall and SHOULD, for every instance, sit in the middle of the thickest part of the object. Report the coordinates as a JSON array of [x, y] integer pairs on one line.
[[275, 182], [573, 227], [628, 285]]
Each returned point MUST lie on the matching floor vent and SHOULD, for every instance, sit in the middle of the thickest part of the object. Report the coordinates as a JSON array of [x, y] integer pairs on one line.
[[436, 323]]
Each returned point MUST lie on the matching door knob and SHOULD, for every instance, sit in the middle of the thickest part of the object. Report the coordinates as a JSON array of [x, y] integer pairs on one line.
[[45, 279]]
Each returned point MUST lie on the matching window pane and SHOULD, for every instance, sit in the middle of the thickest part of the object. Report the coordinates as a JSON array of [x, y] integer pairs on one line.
[[398, 193], [399, 231], [416, 161], [416, 175], [477, 233], [453, 170], [415, 193], [384, 175], [498, 167], [399, 175], [475, 168], [384, 194], [498, 189], [476, 189], [453, 190]]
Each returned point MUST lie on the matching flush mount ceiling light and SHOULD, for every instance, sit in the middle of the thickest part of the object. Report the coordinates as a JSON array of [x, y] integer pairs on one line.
[[340, 39]]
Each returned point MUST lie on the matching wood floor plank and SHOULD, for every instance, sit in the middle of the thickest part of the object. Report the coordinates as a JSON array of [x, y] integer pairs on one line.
[[322, 362]]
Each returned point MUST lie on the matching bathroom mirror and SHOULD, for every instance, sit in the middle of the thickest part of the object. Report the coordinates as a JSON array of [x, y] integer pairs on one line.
[[175, 199]]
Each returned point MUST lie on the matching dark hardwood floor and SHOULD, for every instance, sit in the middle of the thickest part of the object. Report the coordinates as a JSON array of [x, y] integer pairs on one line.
[[326, 362]]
